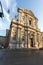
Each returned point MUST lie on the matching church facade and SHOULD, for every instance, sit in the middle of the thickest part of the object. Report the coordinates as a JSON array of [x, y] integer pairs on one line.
[[24, 31]]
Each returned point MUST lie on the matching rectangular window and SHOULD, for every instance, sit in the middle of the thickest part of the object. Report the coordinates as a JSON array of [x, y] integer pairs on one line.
[[29, 22]]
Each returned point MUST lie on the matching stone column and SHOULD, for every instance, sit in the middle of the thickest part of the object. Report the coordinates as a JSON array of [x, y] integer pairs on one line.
[[17, 37], [35, 38], [26, 31], [29, 41], [36, 43], [12, 41], [19, 17], [25, 40], [19, 41], [40, 41]]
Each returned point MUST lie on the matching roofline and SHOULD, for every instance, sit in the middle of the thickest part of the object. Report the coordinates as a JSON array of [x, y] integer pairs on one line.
[[24, 10]]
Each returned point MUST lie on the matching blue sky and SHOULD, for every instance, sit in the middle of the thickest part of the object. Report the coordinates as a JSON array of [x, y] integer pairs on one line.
[[35, 5]]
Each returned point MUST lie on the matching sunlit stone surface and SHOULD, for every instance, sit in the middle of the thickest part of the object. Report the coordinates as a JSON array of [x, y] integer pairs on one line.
[[24, 31]]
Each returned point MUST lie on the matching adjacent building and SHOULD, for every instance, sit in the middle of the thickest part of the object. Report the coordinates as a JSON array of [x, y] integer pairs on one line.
[[24, 31], [2, 40], [7, 38]]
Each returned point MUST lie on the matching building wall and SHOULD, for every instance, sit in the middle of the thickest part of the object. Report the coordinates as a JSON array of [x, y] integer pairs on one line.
[[2, 40], [7, 38], [24, 30]]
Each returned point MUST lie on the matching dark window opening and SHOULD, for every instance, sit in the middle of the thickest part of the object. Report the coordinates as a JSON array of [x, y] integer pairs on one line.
[[23, 38], [29, 22], [31, 42], [17, 20]]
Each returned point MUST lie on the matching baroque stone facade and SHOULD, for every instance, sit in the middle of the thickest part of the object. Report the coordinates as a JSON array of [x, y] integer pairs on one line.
[[24, 30]]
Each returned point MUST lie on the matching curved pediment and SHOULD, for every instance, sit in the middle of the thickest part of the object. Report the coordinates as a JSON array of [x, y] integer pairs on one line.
[[27, 11]]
